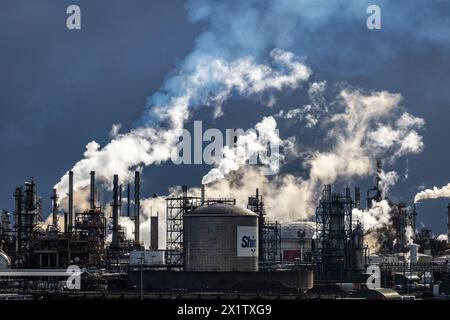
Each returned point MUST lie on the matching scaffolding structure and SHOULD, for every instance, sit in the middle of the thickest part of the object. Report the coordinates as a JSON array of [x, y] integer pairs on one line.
[[177, 207], [272, 242], [90, 230], [269, 233], [334, 231], [28, 207]]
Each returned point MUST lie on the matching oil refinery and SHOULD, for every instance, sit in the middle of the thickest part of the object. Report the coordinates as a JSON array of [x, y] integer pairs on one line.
[[216, 248], [224, 157]]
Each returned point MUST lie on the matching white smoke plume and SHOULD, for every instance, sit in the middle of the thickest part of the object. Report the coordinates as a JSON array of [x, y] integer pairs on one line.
[[434, 193], [374, 221], [388, 179], [400, 138], [286, 197], [211, 83], [351, 133], [222, 65], [409, 235], [248, 146], [442, 237], [311, 113], [377, 217], [351, 153], [49, 221]]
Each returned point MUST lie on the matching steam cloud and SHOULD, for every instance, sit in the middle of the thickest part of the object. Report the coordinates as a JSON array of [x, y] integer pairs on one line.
[[249, 146], [375, 222], [211, 83], [227, 61], [434, 193], [353, 146]]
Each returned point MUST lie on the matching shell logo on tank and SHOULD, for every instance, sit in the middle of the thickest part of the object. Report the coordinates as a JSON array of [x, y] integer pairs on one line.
[[247, 241]]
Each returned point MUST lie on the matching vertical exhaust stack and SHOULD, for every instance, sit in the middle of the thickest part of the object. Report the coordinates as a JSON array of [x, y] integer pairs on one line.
[[378, 196], [261, 224], [154, 233], [357, 198], [448, 223], [70, 222], [137, 205], [203, 194], [18, 196], [379, 173], [184, 190], [55, 209], [120, 200], [115, 210], [92, 195], [65, 222], [128, 200]]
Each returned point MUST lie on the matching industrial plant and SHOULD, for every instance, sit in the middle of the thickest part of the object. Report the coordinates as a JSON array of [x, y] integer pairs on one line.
[[215, 248]]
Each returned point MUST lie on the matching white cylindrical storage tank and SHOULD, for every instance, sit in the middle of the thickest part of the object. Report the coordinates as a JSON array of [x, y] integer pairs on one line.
[[296, 237], [220, 237]]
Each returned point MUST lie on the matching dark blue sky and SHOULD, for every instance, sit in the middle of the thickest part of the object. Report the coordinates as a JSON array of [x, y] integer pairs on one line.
[[60, 89]]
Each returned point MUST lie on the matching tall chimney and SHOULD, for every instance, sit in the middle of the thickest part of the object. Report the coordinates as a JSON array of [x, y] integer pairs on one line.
[[203, 194], [65, 222], [120, 200], [137, 205], [18, 196], [55, 209], [261, 223], [154, 233], [184, 189], [128, 200], [92, 196], [115, 210], [70, 222], [379, 172], [448, 223], [357, 198]]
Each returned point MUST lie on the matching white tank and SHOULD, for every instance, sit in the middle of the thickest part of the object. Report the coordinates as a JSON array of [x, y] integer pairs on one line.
[[220, 237]]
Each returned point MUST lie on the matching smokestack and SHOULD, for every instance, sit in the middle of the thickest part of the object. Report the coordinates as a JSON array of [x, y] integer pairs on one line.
[[65, 222], [54, 198], [357, 198], [261, 224], [184, 189], [18, 196], [448, 223], [203, 194], [377, 188], [154, 233], [70, 222], [92, 196], [137, 208], [379, 172], [115, 210], [120, 200], [128, 200]]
